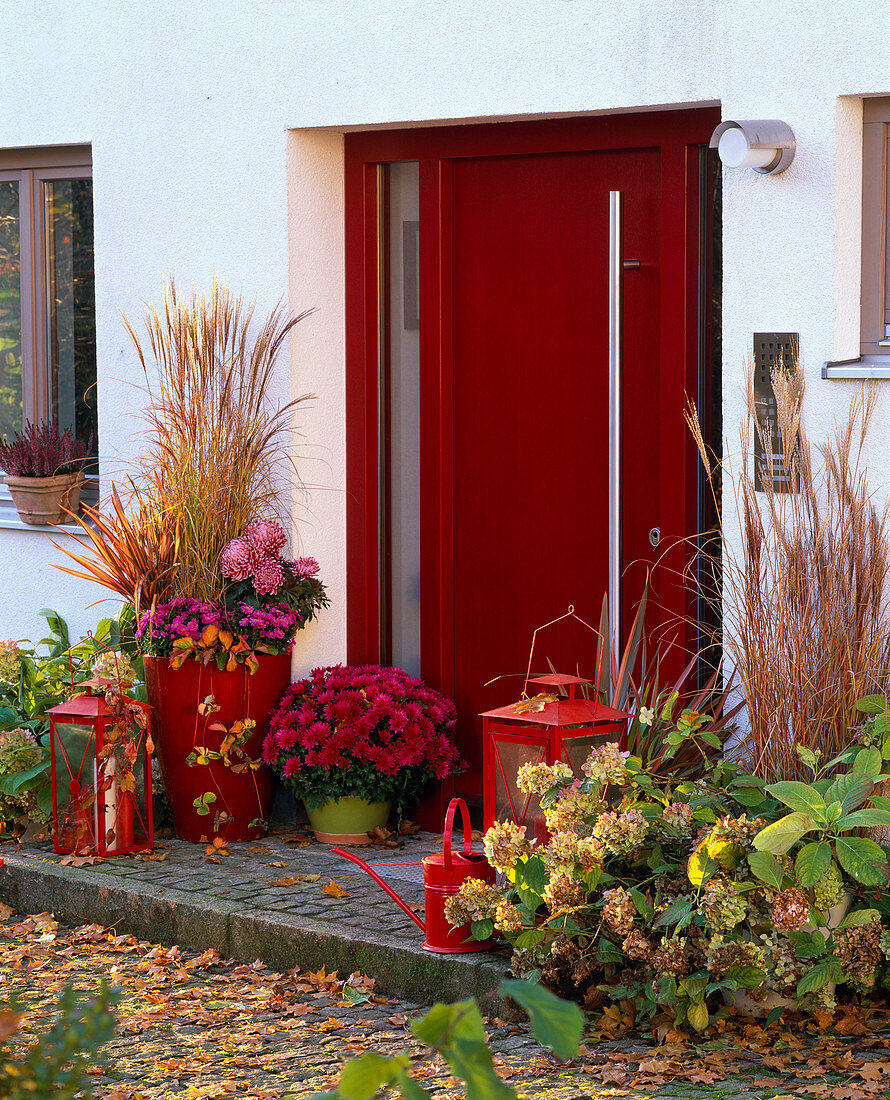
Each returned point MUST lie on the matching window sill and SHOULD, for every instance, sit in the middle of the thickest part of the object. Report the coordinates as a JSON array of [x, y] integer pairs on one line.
[[866, 366], [13, 523]]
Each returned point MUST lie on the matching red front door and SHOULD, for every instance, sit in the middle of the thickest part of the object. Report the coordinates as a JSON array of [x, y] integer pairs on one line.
[[512, 501]]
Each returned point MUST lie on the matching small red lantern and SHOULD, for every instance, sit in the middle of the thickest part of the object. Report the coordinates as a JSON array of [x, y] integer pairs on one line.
[[100, 747], [548, 727]]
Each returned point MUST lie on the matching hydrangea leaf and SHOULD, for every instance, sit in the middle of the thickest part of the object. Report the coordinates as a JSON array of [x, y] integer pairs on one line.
[[812, 862], [783, 834]]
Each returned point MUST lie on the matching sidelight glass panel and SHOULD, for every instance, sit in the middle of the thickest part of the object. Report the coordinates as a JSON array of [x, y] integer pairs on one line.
[[10, 309], [400, 417], [71, 305]]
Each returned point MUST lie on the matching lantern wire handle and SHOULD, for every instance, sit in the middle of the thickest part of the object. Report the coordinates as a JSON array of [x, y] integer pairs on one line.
[[570, 614]]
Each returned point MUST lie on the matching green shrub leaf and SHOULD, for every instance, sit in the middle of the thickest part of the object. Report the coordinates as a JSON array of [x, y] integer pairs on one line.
[[813, 860], [556, 1024], [697, 1015], [460, 1021], [363, 1076], [767, 868], [534, 874], [782, 834], [815, 978], [799, 796], [850, 790], [472, 1061], [858, 916], [860, 819], [868, 762], [862, 859], [871, 704]]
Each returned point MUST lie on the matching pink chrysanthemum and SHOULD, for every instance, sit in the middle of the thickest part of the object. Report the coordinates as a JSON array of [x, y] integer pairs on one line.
[[268, 577], [267, 536], [238, 560], [306, 567]]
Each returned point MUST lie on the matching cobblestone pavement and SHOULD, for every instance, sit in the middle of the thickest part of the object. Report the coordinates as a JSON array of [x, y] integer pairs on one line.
[[194, 1025], [191, 1025], [266, 899]]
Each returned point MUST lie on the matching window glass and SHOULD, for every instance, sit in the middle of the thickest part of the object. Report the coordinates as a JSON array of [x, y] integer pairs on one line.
[[10, 309], [400, 422], [71, 304]]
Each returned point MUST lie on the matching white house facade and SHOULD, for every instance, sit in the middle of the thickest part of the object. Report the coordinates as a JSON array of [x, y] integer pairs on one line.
[[242, 140]]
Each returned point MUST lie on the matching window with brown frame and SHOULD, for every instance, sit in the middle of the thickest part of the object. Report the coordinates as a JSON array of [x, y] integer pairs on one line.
[[47, 291], [875, 297]]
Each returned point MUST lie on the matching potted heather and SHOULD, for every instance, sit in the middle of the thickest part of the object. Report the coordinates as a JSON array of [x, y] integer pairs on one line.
[[194, 546], [352, 740], [44, 472]]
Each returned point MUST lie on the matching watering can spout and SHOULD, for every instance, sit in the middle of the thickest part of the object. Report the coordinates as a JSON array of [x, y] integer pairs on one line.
[[443, 876], [402, 904]]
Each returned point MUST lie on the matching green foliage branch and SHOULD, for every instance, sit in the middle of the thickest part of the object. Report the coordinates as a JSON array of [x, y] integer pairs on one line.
[[456, 1033]]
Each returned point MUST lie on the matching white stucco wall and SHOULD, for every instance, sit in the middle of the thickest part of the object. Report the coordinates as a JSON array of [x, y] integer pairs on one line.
[[188, 111]]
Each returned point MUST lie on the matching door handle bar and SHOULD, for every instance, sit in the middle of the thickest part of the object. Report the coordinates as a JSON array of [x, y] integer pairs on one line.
[[615, 273]]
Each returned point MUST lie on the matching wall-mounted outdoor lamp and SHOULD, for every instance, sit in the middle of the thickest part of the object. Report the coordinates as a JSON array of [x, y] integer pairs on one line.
[[765, 144]]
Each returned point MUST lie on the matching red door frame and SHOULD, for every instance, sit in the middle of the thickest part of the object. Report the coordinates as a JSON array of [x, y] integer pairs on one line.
[[679, 134]]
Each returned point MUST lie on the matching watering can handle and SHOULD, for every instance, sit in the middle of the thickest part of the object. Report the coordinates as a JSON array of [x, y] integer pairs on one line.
[[449, 827]]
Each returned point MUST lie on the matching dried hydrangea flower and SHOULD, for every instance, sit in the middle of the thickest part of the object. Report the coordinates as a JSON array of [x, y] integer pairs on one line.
[[678, 815], [672, 956], [563, 892], [620, 833], [507, 918], [607, 764], [572, 806], [790, 910], [475, 900], [18, 751], [829, 890], [619, 911], [636, 946], [722, 903], [504, 843], [112, 665], [538, 778], [10, 661], [859, 951]]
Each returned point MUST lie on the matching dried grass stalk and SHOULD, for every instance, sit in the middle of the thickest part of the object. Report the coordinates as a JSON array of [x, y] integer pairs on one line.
[[805, 619], [217, 442]]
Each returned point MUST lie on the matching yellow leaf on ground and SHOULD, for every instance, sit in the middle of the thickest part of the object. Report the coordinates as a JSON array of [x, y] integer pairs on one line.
[[335, 890]]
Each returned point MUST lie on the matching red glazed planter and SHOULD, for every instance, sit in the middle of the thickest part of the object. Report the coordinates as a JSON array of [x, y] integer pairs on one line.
[[246, 796]]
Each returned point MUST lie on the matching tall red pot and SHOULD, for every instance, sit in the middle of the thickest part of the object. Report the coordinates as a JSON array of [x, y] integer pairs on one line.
[[179, 728]]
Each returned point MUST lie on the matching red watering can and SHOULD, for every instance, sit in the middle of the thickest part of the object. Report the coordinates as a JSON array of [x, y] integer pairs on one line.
[[443, 876]]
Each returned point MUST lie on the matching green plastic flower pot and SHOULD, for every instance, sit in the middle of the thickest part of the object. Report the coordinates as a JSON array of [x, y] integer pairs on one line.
[[347, 820]]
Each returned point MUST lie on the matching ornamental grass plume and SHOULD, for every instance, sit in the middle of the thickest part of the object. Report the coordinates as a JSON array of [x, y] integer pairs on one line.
[[802, 581], [216, 441]]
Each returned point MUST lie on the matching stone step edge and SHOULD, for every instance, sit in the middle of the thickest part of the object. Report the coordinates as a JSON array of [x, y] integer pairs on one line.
[[282, 941]]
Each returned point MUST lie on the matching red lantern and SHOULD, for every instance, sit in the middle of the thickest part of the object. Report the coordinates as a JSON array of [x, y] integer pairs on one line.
[[100, 747], [541, 730], [548, 727]]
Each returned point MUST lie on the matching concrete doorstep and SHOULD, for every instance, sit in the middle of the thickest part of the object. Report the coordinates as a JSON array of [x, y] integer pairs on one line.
[[251, 905]]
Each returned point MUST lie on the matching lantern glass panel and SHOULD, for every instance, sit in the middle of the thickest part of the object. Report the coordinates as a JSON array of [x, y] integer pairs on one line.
[[75, 779], [577, 747], [512, 804], [122, 794]]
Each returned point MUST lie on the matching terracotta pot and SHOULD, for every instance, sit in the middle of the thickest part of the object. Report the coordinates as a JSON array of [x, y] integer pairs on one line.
[[242, 801], [347, 820], [40, 500]]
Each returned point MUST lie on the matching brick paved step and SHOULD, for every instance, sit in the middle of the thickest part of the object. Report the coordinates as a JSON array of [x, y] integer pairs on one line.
[[233, 908]]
